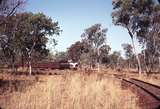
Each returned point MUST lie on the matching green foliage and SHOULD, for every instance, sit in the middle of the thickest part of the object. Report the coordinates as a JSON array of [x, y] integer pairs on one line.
[[114, 58], [133, 15], [61, 56], [92, 48], [38, 29], [128, 50], [142, 20], [77, 49], [95, 38], [28, 33]]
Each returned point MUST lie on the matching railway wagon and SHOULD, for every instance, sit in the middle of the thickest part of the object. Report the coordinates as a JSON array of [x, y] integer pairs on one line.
[[56, 65], [48, 65]]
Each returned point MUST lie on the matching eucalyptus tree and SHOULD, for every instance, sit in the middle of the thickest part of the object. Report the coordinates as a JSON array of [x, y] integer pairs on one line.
[[61, 56], [8, 40], [31, 35], [104, 53], [128, 53], [38, 30], [153, 36], [77, 49], [8, 8], [134, 15], [148, 29], [114, 59], [95, 36]]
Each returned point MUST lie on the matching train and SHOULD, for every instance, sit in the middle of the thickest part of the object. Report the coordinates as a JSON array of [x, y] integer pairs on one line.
[[61, 65], [53, 65]]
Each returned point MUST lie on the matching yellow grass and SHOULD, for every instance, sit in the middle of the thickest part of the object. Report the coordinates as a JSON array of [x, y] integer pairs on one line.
[[151, 79], [73, 91]]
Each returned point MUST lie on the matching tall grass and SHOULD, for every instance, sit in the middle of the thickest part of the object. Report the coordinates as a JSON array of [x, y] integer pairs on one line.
[[73, 91]]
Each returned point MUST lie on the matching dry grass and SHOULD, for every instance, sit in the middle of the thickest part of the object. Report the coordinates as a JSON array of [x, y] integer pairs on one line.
[[153, 79], [72, 91]]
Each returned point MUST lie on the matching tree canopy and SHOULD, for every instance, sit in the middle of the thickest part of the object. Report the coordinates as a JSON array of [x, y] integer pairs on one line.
[[28, 33], [95, 37]]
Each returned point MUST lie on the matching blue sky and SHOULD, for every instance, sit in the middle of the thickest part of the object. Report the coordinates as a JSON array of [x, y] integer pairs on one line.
[[76, 15]]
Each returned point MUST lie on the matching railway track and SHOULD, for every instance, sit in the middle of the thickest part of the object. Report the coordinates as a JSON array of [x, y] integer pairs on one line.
[[154, 90], [149, 94]]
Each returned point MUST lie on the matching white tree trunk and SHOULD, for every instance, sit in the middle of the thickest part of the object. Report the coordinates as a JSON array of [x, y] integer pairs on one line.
[[98, 67], [129, 66], [145, 64], [30, 66], [30, 69], [98, 63], [159, 63], [137, 57], [29, 54]]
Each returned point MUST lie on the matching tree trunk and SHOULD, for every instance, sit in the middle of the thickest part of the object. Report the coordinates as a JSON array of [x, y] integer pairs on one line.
[[22, 60], [5, 59], [30, 66], [129, 65], [98, 66], [145, 63], [159, 64], [137, 57], [29, 56], [13, 63], [152, 64]]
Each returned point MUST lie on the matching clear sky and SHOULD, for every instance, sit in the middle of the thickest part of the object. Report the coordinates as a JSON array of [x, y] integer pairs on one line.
[[76, 15]]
